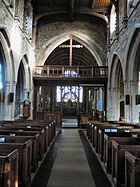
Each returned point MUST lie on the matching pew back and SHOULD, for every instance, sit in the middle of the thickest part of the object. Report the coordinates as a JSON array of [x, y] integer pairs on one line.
[[8, 167], [118, 158]]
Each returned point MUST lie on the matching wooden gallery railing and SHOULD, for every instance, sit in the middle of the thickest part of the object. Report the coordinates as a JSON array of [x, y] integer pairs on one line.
[[71, 71]]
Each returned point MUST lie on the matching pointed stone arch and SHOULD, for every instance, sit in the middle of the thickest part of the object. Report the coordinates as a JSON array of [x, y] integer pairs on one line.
[[9, 60], [9, 74], [91, 45], [23, 86], [116, 90], [132, 70]]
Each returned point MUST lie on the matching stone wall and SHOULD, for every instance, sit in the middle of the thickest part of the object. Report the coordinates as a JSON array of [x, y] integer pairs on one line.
[[120, 45], [90, 31], [17, 47]]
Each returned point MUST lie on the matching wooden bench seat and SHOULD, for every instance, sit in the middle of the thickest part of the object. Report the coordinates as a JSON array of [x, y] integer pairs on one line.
[[49, 129], [31, 126], [25, 153], [96, 127], [35, 147], [37, 140], [99, 134], [39, 131], [107, 153], [132, 168], [9, 167], [118, 158]]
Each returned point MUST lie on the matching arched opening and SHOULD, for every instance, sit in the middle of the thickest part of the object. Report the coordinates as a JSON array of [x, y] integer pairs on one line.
[[2, 82], [70, 99], [19, 92], [133, 76], [116, 91]]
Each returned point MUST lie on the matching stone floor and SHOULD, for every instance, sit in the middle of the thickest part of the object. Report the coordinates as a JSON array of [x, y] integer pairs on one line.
[[70, 163], [71, 168]]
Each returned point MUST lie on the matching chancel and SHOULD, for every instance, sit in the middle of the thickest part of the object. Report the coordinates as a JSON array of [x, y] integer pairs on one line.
[[69, 93]]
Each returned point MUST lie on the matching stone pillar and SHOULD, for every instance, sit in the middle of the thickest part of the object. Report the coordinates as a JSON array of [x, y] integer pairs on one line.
[[105, 98], [34, 32], [31, 101], [78, 104], [61, 109], [7, 114], [127, 106], [108, 35], [53, 98], [87, 99], [134, 115], [12, 104], [113, 112], [35, 102]]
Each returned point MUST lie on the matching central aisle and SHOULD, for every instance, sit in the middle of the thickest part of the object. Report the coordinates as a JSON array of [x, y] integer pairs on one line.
[[71, 167]]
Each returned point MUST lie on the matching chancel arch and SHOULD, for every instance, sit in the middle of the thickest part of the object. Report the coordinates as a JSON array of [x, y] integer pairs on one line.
[[116, 109], [52, 44], [69, 104], [132, 75]]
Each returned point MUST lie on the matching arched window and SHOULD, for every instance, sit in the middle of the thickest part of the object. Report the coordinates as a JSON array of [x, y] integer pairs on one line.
[[72, 93], [112, 22]]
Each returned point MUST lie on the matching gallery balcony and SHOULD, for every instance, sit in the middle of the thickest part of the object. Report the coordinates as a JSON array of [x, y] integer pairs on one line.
[[69, 74]]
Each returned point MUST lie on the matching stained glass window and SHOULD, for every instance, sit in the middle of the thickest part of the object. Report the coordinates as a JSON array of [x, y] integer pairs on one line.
[[72, 93], [112, 21]]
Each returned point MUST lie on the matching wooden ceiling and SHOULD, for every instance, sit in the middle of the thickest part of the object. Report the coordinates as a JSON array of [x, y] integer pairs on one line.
[[41, 6]]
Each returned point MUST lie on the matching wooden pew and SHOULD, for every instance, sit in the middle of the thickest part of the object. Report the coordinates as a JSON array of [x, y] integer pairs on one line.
[[31, 126], [107, 153], [108, 130], [25, 152], [90, 132], [9, 167], [118, 158], [132, 168], [98, 126], [25, 129], [35, 147], [99, 133], [50, 128], [36, 152], [107, 125]]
